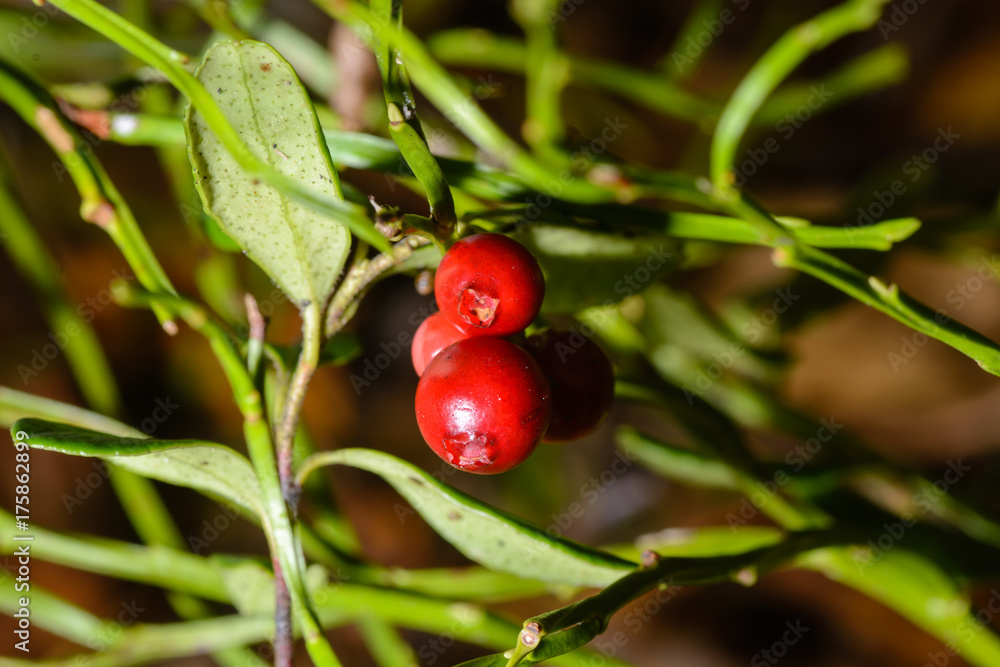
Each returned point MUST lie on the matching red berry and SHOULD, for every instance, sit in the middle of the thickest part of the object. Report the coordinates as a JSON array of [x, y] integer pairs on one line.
[[432, 336], [488, 284], [582, 381], [483, 405]]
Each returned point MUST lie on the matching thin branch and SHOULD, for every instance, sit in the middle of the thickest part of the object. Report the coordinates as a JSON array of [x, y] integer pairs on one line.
[[360, 278]]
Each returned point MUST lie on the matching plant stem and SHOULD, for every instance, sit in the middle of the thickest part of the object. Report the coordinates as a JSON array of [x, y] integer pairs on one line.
[[439, 87], [681, 62], [473, 48], [773, 67], [892, 301], [84, 354], [545, 80], [312, 339], [361, 276], [170, 62], [276, 519], [101, 203], [404, 125], [284, 641]]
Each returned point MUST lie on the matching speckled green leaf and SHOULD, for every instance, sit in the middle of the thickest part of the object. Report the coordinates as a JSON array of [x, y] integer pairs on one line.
[[485, 534], [303, 251], [196, 464]]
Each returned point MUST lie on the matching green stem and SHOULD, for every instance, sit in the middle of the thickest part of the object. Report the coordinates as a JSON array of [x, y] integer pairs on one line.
[[101, 204], [404, 125], [868, 72], [84, 354], [473, 48], [312, 339], [773, 67], [544, 80], [154, 565], [277, 521], [892, 301], [360, 277], [682, 61], [439, 87]]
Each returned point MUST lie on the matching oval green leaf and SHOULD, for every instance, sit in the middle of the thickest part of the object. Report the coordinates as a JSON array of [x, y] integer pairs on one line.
[[486, 535], [303, 251], [195, 464]]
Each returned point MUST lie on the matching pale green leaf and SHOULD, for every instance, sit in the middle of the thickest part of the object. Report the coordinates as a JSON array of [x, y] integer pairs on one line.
[[303, 251], [485, 534], [203, 466]]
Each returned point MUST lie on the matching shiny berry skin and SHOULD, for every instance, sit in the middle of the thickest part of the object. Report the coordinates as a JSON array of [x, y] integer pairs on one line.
[[483, 405], [488, 284], [582, 381], [433, 335]]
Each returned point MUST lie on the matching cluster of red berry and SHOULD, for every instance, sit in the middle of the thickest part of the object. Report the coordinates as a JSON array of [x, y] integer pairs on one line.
[[484, 403]]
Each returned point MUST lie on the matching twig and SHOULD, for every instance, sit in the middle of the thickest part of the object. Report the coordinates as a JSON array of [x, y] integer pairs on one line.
[[360, 277], [284, 641], [305, 367]]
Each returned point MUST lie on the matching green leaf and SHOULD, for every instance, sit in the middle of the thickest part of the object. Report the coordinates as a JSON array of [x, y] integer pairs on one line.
[[249, 584], [585, 268], [915, 588], [683, 465], [704, 542], [485, 534], [303, 251], [203, 466]]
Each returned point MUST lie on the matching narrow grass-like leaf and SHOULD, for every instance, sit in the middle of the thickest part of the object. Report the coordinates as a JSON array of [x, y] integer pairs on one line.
[[584, 268], [485, 534], [918, 590], [260, 95], [195, 464]]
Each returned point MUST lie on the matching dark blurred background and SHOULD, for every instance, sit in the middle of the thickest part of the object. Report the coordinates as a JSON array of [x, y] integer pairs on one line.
[[934, 406]]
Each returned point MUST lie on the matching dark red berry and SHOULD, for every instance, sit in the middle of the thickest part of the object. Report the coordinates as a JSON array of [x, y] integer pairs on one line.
[[483, 405], [432, 336], [582, 381], [488, 284]]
